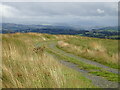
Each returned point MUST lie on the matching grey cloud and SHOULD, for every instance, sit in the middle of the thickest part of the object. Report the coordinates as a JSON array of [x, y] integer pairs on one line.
[[65, 12]]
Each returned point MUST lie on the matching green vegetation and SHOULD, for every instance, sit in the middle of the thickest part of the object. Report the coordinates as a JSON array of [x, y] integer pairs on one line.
[[105, 33], [104, 51], [108, 75], [90, 68], [28, 60], [24, 66]]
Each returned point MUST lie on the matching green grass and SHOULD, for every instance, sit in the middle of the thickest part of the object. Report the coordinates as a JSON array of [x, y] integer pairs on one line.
[[90, 68], [97, 59], [106, 52], [23, 68], [81, 65], [110, 45], [108, 75], [114, 36]]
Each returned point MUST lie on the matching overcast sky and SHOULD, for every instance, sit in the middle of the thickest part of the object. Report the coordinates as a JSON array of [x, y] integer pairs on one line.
[[75, 13]]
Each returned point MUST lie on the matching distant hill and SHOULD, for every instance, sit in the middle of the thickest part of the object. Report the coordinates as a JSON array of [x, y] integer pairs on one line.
[[110, 32], [51, 29], [109, 28]]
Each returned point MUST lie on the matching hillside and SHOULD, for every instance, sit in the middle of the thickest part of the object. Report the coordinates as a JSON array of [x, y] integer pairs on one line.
[[26, 66], [35, 60], [106, 32], [50, 29]]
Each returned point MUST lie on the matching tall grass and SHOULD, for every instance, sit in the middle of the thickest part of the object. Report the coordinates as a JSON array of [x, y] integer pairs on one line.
[[0, 60], [23, 68], [101, 50]]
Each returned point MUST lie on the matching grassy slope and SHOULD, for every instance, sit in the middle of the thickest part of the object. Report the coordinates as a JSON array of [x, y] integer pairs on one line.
[[101, 50], [87, 67], [24, 68]]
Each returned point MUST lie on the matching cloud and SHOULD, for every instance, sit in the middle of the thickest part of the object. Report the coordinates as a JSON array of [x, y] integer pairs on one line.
[[60, 0], [35, 13], [100, 11], [8, 11]]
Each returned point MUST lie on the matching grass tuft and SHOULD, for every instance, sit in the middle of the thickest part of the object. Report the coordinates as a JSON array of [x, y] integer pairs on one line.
[[27, 66]]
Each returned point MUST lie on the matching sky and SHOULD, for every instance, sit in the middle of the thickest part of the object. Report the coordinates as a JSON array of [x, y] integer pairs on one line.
[[70, 13]]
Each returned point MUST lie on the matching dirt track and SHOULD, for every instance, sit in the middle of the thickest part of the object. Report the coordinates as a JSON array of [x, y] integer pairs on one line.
[[96, 80]]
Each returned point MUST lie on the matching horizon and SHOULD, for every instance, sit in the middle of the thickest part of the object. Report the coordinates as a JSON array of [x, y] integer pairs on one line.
[[62, 25]]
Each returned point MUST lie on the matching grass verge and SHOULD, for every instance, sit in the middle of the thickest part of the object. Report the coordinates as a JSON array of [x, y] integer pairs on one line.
[[90, 68], [99, 50]]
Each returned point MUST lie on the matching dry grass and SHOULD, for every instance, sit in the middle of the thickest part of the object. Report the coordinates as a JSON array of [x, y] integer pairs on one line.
[[24, 68], [0, 60], [62, 44], [94, 50], [97, 46]]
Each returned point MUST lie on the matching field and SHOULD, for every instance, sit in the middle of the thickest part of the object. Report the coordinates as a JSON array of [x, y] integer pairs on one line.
[[32, 60], [25, 68], [104, 51]]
